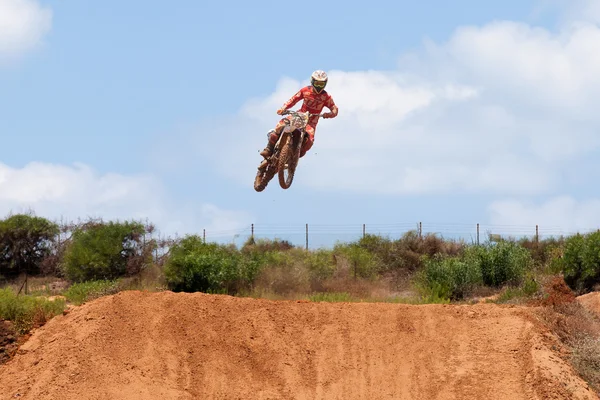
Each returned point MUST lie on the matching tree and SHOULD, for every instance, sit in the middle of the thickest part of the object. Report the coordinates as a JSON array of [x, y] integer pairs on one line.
[[99, 250], [25, 240]]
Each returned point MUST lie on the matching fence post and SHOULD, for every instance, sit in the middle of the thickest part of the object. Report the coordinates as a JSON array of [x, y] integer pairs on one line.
[[420, 230], [537, 237], [364, 230], [24, 285], [252, 235], [156, 249], [204, 235], [477, 234], [306, 236]]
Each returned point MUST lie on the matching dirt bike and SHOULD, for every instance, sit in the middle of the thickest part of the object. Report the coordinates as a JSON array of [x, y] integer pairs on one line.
[[286, 153]]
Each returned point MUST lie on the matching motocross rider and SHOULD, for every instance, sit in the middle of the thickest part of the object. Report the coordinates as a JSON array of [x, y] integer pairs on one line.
[[315, 98]]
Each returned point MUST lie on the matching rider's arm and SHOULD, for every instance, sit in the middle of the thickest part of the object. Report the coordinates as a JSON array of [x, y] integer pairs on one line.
[[331, 105], [292, 101]]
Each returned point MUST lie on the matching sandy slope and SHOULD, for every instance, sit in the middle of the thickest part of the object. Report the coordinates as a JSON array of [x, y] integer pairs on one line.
[[591, 301], [138, 345]]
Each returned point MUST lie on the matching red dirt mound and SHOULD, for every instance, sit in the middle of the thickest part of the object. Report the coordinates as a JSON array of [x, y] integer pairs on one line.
[[559, 293], [591, 301], [137, 345]]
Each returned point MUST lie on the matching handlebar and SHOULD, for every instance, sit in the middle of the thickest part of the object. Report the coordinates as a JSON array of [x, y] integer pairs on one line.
[[286, 112]]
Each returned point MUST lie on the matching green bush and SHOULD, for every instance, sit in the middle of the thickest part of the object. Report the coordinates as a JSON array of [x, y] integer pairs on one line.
[[288, 272], [266, 245], [405, 255], [27, 311], [580, 263], [104, 251], [529, 288], [361, 262], [500, 263], [25, 241], [542, 251], [209, 267], [320, 263], [448, 278]]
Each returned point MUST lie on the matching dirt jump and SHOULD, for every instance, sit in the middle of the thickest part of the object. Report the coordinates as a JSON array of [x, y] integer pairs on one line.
[[137, 345]]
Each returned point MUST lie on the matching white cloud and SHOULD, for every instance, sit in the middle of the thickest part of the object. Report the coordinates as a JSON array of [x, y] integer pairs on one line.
[[72, 192], [573, 11], [563, 214], [23, 24], [505, 108]]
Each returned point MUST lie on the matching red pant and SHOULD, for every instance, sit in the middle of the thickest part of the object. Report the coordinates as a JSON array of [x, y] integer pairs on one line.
[[308, 142]]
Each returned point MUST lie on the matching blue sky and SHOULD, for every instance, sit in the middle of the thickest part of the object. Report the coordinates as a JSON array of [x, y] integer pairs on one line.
[[451, 113]]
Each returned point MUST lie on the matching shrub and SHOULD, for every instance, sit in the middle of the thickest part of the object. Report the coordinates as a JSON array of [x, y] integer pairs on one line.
[[580, 262], [500, 263], [105, 251], [24, 242], [209, 267], [289, 272], [406, 255], [361, 262], [585, 358], [528, 289], [448, 278], [27, 312], [266, 245], [541, 251], [321, 265]]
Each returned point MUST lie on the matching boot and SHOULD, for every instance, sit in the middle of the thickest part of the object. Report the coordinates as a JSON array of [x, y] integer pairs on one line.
[[263, 164], [268, 150]]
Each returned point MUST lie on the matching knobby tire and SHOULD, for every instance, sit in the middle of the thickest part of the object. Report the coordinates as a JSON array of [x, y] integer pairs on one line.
[[263, 177]]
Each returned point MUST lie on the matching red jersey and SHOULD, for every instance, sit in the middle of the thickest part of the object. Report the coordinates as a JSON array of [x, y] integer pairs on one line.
[[313, 102]]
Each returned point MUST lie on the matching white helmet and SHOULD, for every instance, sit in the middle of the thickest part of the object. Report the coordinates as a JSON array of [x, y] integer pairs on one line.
[[318, 80]]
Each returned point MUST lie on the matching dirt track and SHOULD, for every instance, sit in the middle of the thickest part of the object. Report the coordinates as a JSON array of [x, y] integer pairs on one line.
[[185, 346]]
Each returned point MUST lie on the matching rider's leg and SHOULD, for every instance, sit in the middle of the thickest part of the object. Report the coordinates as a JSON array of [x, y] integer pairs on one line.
[[273, 138], [309, 140]]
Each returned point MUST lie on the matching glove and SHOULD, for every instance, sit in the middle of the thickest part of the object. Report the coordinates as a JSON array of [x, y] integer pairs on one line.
[[280, 111], [328, 115]]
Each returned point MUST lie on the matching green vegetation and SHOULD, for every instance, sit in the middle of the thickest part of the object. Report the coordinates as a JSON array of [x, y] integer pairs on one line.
[[500, 263], [94, 255], [91, 256], [580, 262], [209, 267], [25, 241], [105, 251], [27, 311], [448, 278], [529, 289], [94, 258], [79, 293]]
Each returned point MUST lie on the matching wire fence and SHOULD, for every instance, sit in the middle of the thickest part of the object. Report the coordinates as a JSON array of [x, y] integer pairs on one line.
[[327, 235]]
